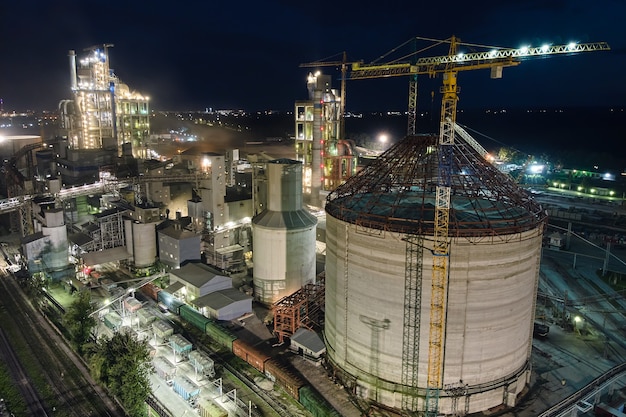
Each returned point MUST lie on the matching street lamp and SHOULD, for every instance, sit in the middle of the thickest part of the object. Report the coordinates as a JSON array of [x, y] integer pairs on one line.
[[577, 320], [382, 139]]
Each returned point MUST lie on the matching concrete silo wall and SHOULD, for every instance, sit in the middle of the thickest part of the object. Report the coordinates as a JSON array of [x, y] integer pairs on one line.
[[490, 310]]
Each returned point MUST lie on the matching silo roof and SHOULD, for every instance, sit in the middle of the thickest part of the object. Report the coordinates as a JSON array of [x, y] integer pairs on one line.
[[289, 220], [398, 193]]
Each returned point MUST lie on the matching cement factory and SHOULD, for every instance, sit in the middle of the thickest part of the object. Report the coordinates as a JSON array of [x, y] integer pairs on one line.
[[426, 301]]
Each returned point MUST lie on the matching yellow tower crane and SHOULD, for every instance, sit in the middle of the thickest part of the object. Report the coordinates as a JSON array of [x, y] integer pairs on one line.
[[494, 59]]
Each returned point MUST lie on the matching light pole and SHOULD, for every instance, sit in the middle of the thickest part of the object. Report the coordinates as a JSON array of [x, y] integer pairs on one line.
[[382, 139], [577, 320]]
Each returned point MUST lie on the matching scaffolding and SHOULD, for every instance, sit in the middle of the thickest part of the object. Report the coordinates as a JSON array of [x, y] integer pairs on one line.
[[304, 308], [109, 232]]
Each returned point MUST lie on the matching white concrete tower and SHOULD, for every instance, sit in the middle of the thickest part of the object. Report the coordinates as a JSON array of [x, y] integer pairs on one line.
[[283, 236]]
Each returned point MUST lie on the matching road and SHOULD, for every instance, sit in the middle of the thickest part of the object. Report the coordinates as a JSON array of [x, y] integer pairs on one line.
[[52, 378]]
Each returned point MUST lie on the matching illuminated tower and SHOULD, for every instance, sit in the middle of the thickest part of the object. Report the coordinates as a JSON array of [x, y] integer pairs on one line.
[[327, 157], [105, 113]]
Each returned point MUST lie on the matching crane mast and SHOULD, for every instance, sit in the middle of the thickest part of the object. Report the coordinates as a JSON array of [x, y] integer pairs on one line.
[[441, 243]]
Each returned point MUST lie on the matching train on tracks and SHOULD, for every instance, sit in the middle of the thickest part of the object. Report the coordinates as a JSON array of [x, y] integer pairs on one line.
[[280, 373]]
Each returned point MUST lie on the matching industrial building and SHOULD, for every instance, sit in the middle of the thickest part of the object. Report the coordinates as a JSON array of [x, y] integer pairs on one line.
[[103, 113], [379, 265], [382, 253], [327, 157]]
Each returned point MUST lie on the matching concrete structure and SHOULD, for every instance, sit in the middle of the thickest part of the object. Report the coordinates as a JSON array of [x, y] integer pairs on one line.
[[283, 236], [140, 232], [177, 245], [47, 248], [379, 263]]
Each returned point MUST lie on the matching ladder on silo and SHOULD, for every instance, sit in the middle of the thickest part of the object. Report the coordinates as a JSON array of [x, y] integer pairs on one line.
[[411, 326]]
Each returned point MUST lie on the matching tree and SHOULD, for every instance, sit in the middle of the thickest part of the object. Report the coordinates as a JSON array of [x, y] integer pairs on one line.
[[79, 321], [122, 363]]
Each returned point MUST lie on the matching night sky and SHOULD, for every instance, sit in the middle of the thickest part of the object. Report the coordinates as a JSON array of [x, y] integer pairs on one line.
[[190, 55]]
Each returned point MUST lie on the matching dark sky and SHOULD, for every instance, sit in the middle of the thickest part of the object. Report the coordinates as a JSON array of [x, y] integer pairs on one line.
[[189, 55]]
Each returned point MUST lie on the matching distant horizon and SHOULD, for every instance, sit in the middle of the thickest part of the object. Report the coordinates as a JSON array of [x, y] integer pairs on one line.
[[460, 109]]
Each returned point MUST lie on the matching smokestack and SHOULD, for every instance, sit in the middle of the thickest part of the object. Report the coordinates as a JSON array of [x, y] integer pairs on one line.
[[73, 79]]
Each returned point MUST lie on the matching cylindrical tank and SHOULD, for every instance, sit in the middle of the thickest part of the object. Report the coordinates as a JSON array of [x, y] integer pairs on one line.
[[143, 243], [379, 274], [283, 236], [73, 79]]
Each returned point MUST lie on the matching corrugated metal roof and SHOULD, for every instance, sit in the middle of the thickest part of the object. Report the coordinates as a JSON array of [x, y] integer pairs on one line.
[[174, 287], [197, 274], [309, 339], [220, 299]]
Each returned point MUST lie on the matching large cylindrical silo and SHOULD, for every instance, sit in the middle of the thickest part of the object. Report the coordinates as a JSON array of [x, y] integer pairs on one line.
[[143, 244], [283, 236], [379, 268]]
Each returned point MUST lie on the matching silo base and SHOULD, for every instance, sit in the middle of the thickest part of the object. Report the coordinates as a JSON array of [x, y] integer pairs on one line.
[[457, 400]]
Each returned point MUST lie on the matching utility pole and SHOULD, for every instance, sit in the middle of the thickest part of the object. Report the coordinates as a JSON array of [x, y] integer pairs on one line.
[[564, 309]]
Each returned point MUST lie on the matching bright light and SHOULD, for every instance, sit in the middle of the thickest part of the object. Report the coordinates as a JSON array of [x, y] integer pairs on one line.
[[577, 319], [571, 45], [318, 73], [536, 168], [524, 49], [545, 47], [460, 55], [493, 52], [383, 138], [608, 176]]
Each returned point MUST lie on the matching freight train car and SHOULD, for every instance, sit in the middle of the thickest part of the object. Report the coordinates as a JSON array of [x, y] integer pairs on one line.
[[221, 335], [113, 321], [186, 388], [194, 317], [285, 377], [315, 403], [150, 290], [169, 301], [253, 356], [282, 374]]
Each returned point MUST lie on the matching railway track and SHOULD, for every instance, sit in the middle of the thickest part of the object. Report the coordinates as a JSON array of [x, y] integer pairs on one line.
[[32, 399], [61, 378]]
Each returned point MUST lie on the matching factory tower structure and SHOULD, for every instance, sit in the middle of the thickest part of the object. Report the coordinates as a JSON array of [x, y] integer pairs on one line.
[[327, 156], [104, 113], [380, 229], [283, 236]]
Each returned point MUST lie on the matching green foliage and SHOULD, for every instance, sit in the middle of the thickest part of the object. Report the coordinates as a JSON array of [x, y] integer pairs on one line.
[[79, 322], [11, 394], [122, 363]]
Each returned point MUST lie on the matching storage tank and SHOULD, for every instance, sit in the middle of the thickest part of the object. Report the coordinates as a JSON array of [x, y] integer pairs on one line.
[[379, 268], [283, 236], [141, 242]]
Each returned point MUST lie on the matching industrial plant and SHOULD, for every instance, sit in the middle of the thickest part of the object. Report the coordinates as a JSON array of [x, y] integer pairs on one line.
[[425, 300]]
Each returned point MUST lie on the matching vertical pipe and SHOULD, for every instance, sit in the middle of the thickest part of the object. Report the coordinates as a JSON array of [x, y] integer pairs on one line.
[[316, 158], [73, 80]]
